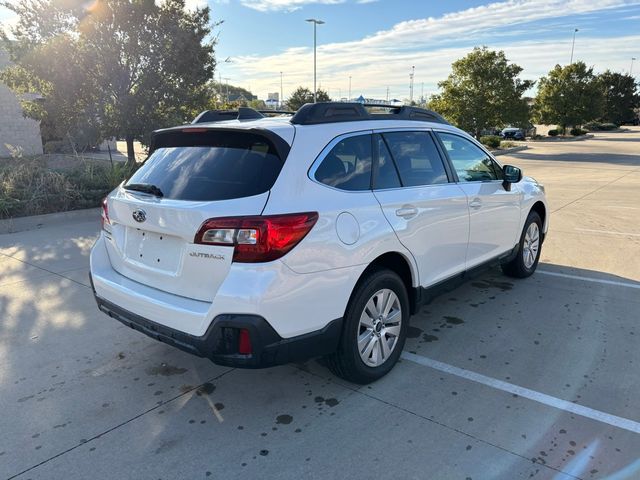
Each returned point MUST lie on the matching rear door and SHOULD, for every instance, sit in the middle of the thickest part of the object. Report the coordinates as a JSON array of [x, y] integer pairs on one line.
[[494, 211], [428, 212], [201, 175]]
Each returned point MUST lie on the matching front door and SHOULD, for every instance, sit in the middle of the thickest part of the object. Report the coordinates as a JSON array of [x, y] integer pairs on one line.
[[494, 211]]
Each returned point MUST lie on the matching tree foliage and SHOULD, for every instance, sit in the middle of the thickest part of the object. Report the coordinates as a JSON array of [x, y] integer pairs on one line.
[[568, 96], [302, 95], [125, 66], [620, 97], [483, 91]]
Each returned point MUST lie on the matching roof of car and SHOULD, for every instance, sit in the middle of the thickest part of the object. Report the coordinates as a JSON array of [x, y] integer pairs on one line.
[[331, 118]]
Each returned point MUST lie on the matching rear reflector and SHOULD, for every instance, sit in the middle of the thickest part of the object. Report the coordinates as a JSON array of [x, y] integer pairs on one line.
[[257, 238], [244, 342]]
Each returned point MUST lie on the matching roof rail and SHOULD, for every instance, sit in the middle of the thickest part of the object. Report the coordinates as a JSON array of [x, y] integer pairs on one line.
[[330, 112], [243, 113]]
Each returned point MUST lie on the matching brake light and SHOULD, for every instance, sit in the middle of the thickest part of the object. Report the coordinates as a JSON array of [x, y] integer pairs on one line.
[[257, 238], [105, 223], [244, 342]]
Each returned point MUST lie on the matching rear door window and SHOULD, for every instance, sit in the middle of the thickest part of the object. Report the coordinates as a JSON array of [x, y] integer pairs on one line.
[[387, 174], [211, 166], [348, 165], [417, 158]]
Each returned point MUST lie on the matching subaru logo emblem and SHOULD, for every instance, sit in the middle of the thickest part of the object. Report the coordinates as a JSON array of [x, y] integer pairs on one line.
[[139, 215]]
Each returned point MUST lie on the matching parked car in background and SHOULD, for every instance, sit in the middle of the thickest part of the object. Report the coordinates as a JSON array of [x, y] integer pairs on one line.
[[259, 241], [512, 134]]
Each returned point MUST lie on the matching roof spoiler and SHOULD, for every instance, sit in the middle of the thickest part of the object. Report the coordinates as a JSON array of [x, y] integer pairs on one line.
[[330, 112]]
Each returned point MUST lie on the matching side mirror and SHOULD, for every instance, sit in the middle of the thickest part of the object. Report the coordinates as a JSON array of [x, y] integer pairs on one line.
[[511, 175]]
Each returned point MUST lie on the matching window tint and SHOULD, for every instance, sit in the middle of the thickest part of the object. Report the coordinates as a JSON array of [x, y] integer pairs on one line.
[[416, 157], [235, 167], [348, 165], [387, 175], [470, 162]]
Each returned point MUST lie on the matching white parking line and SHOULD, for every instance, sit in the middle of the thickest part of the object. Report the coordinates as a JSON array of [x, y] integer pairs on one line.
[[589, 279], [543, 398], [608, 232]]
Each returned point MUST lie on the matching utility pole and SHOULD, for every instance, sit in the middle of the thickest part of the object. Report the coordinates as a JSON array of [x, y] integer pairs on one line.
[[281, 94], [349, 88], [387, 94], [631, 67], [573, 44], [413, 69], [315, 24], [421, 93]]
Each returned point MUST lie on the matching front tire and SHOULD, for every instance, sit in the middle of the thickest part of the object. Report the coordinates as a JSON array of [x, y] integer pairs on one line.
[[374, 330], [526, 260]]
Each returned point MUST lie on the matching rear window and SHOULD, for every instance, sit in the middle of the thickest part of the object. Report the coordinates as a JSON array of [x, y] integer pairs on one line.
[[211, 166]]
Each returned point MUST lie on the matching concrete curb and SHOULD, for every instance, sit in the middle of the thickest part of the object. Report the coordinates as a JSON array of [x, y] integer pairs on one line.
[[22, 224], [507, 151]]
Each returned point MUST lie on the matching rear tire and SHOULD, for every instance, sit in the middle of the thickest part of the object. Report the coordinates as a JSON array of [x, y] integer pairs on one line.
[[526, 260], [374, 329]]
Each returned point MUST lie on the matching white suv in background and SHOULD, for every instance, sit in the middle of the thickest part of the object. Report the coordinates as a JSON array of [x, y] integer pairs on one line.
[[259, 241]]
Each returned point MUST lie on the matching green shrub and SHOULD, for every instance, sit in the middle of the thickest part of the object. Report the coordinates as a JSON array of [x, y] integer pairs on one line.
[[507, 144], [537, 137], [553, 133], [58, 146], [560, 129], [491, 141], [593, 126], [577, 132]]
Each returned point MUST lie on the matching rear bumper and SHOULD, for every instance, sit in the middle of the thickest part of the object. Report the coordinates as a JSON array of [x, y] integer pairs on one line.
[[220, 342]]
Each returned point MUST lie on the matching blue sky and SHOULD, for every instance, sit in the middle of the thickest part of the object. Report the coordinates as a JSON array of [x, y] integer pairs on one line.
[[377, 41]]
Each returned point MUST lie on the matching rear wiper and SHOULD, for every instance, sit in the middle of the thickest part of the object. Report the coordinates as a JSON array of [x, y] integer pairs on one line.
[[144, 188]]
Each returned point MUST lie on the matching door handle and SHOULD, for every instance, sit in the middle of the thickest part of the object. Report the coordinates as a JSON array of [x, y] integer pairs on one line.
[[476, 203], [407, 212]]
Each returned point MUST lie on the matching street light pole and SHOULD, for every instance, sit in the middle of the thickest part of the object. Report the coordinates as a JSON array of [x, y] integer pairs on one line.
[[573, 44], [349, 88], [315, 24], [413, 69], [631, 67], [281, 94]]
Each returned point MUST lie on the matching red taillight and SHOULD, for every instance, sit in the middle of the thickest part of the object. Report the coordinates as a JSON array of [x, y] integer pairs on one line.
[[257, 238], [104, 216], [244, 342]]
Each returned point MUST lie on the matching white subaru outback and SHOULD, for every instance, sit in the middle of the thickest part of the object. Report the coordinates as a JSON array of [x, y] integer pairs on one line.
[[259, 241]]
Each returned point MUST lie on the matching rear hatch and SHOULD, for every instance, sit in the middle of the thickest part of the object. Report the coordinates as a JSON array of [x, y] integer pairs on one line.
[[191, 175]]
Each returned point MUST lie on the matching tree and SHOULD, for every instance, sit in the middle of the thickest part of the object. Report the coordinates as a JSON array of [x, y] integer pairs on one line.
[[568, 96], [47, 63], [619, 97], [303, 95], [134, 66], [483, 91]]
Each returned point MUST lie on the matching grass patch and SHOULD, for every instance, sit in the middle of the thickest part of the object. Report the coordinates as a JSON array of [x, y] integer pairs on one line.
[[28, 186]]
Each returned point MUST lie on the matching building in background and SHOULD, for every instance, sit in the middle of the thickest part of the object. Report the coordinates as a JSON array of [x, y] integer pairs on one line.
[[17, 133]]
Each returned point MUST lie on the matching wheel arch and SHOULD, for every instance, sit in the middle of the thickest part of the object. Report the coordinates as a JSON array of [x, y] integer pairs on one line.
[[540, 208], [401, 265]]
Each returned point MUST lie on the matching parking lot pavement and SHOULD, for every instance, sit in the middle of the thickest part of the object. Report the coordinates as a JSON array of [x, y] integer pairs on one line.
[[501, 378]]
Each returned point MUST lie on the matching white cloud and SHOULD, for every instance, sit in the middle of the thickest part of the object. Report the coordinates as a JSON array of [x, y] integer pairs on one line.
[[284, 5], [193, 4], [385, 58]]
